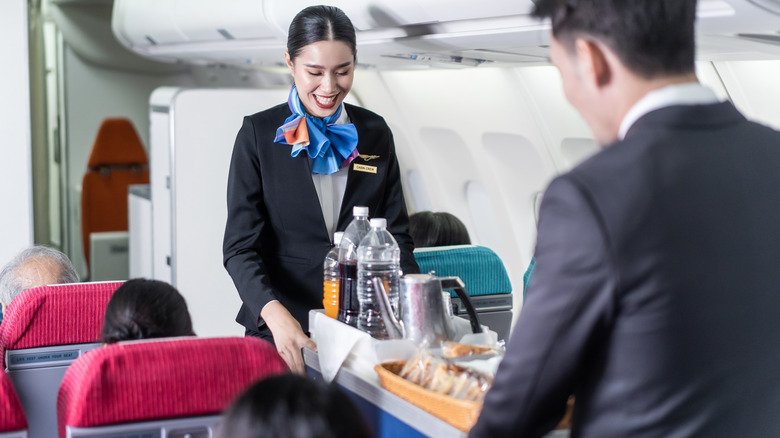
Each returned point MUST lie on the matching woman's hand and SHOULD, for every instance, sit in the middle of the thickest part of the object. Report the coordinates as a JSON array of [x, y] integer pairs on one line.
[[288, 335]]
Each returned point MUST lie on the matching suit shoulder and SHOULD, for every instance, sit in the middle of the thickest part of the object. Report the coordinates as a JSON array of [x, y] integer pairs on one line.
[[620, 174], [761, 129], [617, 158]]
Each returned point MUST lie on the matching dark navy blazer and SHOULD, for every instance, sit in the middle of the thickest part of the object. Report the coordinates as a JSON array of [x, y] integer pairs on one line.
[[275, 237], [656, 294]]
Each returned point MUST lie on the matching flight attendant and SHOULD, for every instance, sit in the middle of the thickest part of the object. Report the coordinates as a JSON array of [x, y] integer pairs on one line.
[[296, 172]]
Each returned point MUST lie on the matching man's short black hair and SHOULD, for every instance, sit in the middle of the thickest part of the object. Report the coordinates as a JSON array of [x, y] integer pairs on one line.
[[651, 37]]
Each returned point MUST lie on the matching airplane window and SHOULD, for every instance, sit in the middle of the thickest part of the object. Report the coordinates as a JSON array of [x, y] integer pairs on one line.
[[418, 196], [484, 217], [576, 150], [537, 203]]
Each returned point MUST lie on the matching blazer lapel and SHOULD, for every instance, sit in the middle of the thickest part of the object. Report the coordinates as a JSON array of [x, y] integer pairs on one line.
[[345, 211], [364, 186]]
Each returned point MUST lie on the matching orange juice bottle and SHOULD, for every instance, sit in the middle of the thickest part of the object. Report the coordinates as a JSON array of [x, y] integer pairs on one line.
[[330, 282]]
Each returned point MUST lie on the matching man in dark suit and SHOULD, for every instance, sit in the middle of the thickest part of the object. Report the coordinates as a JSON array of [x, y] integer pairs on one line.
[[656, 295]]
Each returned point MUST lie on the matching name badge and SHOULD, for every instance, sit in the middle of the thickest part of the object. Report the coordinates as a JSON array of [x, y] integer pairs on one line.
[[364, 168]]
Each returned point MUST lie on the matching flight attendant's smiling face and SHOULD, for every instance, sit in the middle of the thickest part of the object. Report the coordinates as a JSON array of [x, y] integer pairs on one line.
[[323, 73]]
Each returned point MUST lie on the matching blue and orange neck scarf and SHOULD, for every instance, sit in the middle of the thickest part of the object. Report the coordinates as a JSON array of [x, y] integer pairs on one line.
[[329, 145]]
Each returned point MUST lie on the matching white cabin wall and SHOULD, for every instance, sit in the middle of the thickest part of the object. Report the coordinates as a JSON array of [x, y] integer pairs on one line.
[[16, 230], [484, 142], [708, 76], [566, 135], [93, 93], [754, 87], [511, 130]]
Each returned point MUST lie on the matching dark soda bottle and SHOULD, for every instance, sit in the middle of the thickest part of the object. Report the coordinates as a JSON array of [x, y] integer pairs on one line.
[[349, 308]]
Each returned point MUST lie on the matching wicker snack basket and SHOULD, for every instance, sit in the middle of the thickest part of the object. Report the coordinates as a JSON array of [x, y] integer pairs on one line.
[[460, 413]]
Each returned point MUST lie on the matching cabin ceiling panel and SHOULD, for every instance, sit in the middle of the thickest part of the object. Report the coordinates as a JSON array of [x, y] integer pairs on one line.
[[770, 5]]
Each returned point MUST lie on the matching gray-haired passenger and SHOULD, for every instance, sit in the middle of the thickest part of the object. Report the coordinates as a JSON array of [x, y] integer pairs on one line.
[[33, 267]]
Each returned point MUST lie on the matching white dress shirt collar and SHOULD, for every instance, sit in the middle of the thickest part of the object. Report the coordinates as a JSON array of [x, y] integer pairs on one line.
[[689, 93], [330, 188]]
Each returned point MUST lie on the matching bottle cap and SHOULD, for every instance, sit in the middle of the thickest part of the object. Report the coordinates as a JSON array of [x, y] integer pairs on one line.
[[337, 237], [359, 211], [378, 222]]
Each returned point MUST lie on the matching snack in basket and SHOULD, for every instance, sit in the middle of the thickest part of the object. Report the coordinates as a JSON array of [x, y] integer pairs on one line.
[[440, 376], [461, 414], [454, 349], [460, 384]]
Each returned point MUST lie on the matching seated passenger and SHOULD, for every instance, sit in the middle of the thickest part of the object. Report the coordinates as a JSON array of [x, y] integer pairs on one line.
[[143, 309], [33, 267], [437, 229], [292, 406]]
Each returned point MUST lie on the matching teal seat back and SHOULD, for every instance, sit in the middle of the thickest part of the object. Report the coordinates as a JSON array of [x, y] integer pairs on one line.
[[481, 269]]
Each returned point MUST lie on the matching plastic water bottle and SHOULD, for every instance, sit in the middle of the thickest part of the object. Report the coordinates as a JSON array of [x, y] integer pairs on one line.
[[378, 256], [330, 278], [348, 299]]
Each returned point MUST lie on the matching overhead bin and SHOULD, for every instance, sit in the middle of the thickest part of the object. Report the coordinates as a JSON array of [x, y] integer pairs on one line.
[[364, 14], [402, 33], [389, 32], [198, 20], [144, 23], [382, 14], [139, 23]]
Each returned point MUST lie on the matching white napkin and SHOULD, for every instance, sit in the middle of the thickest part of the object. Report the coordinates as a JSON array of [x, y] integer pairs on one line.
[[394, 350], [464, 335], [335, 341]]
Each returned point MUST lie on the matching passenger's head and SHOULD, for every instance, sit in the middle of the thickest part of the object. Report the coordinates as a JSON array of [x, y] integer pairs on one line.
[[651, 37], [321, 54], [143, 309], [429, 228], [292, 406], [612, 52], [33, 267]]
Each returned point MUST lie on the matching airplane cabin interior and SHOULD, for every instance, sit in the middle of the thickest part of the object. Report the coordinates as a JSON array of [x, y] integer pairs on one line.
[[478, 115]]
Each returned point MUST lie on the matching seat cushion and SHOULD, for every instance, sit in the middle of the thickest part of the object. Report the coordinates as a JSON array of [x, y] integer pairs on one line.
[[12, 417]]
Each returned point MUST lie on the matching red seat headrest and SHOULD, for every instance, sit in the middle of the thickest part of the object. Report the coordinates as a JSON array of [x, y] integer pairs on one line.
[[159, 379], [59, 314]]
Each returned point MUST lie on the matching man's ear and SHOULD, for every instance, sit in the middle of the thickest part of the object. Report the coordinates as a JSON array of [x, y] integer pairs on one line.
[[595, 62]]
